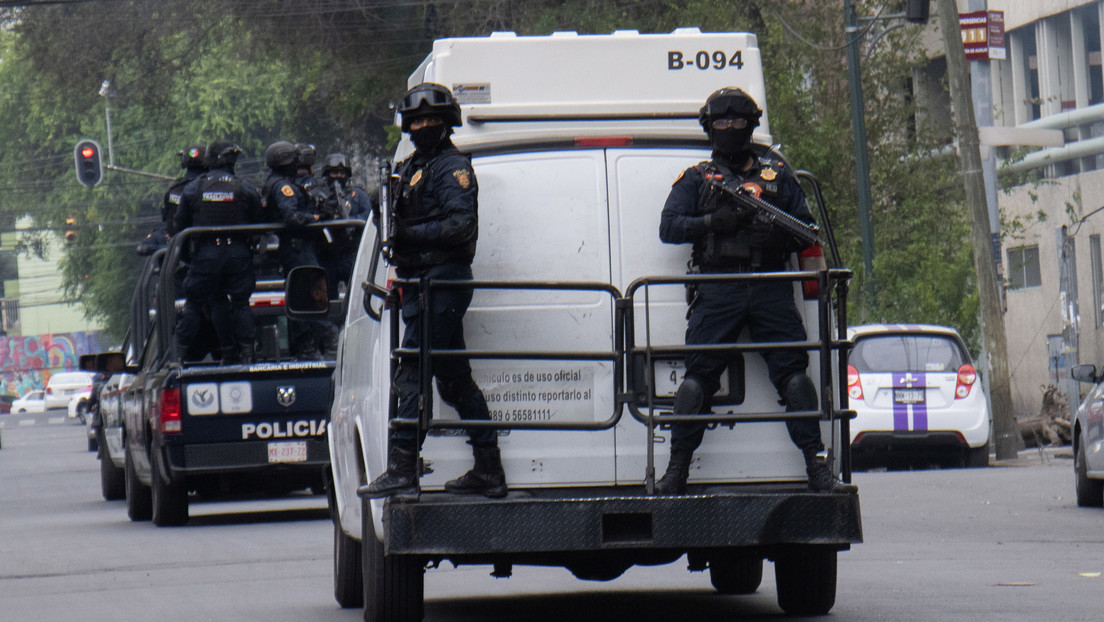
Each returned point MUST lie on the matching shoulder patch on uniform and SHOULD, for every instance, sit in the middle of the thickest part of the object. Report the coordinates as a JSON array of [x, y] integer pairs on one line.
[[287, 191], [463, 177]]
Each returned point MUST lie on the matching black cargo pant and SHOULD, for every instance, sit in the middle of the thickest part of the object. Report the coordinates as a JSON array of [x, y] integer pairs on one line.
[[454, 379], [220, 275], [719, 315]]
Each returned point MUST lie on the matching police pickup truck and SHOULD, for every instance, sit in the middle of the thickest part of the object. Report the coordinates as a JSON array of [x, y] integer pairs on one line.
[[575, 335], [186, 425]]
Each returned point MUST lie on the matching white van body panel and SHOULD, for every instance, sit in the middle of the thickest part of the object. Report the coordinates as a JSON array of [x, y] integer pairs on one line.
[[550, 210]]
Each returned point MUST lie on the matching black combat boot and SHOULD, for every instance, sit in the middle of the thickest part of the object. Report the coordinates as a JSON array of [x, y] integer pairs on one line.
[[230, 355], [398, 478], [821, 478], [673, 481], [486, 478], [247, 352]]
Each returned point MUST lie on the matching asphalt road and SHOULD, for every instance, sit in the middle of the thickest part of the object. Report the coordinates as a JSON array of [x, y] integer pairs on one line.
[[1004, 543]]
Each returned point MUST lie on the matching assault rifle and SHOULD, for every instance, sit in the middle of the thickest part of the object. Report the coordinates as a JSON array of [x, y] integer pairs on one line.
[[765, 212], [343, 205]]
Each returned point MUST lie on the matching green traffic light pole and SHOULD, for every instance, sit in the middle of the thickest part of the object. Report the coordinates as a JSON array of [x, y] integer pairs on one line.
[[862, 162]]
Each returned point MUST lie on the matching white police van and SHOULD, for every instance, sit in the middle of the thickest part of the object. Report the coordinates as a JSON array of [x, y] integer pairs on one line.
[[575, 335]]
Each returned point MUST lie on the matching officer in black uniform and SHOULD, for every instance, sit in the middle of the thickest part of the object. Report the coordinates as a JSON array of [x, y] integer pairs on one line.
[[285, 194], [194, 163], [727, 239], [436, 226], [341, 200], [221, 265]]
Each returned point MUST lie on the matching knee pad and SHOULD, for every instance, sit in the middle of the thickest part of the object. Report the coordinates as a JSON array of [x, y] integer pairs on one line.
[[456, 391], [690, 397], [799, 393]]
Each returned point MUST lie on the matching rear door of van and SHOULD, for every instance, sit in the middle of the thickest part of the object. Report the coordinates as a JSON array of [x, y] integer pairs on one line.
[[639, 182], [543, 216]]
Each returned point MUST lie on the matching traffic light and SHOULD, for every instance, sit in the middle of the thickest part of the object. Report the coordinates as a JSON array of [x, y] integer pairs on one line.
[[89, 162], [916, 11], [70, 229]]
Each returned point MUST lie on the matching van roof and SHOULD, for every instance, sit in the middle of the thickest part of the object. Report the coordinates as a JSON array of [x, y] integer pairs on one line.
[[514, 89]]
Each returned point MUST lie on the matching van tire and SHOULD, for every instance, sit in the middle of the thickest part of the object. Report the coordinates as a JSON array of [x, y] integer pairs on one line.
[[1090, 492], [170, 501], [139, 501], [736, 573], [394, 585], [112, 478], [348, 572], [806, 580]]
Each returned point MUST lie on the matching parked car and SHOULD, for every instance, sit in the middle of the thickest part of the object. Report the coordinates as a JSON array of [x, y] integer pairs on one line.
[[1088, 439], [31, 402], [64, 386], [917, 397], [6, 400]]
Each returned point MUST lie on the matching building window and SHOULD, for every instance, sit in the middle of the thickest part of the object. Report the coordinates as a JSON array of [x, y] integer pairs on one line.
[[1023, 267], [1097, 278]]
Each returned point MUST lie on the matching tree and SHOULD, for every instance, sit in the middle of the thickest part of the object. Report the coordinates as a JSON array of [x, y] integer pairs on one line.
[[325, 71]]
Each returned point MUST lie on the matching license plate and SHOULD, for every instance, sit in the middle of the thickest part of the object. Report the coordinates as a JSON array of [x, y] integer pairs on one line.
[[292, 451], [908, 396], [669, 375]]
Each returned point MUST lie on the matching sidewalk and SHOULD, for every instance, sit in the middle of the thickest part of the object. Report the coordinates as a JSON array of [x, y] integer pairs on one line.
[[1035, 456]]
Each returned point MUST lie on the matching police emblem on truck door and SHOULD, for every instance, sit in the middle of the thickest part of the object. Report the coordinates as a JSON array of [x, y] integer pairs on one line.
[[285, 396]]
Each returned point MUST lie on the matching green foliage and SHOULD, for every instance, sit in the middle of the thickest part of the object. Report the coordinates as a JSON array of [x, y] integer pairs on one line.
[[256, 71]]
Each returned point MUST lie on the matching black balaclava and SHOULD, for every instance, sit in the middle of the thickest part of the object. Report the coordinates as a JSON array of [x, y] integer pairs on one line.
[[428, 138], [734, 144]]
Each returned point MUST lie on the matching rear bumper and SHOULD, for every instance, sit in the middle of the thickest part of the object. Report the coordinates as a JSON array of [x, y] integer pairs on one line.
[[439, 524], [908, 442], [241, 457]]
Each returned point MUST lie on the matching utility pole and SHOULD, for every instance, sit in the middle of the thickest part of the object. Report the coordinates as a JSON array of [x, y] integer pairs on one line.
[[862, 158], [1005, 432]]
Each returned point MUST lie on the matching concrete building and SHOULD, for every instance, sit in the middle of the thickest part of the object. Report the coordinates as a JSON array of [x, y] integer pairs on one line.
[[1050, 77]]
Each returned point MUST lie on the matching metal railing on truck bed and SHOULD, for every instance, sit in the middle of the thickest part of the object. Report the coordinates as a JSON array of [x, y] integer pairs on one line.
[[632, 361]]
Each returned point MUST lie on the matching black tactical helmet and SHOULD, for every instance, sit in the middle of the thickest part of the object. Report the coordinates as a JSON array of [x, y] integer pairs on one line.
[[222, 153], [729, 102], [281, 154], [307, 154], [429, 99], [337, 162], [193, 157]]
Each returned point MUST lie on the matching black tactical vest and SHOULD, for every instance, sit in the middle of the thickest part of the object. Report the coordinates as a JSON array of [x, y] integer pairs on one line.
[[220, 202]]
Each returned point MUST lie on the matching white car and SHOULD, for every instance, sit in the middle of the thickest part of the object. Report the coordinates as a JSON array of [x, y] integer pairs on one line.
[[64, 386], [31, 402], [917, 397], [1088, 439]]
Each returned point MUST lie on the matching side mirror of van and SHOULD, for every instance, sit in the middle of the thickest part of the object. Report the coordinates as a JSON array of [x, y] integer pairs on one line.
[[1084, 373], [306, 295]]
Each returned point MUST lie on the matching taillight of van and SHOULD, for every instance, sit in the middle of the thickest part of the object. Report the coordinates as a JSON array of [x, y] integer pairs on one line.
[[811, 259], [604, 141]]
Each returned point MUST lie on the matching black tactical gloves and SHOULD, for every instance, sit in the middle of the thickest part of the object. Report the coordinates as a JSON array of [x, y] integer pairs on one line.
[[728, 219]]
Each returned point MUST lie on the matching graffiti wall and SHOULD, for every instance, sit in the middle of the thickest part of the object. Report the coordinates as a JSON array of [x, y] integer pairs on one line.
[[26, 363]]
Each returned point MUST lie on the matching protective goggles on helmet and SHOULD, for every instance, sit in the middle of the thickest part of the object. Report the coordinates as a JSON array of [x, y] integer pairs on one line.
[[414, 100], [730, 123]]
